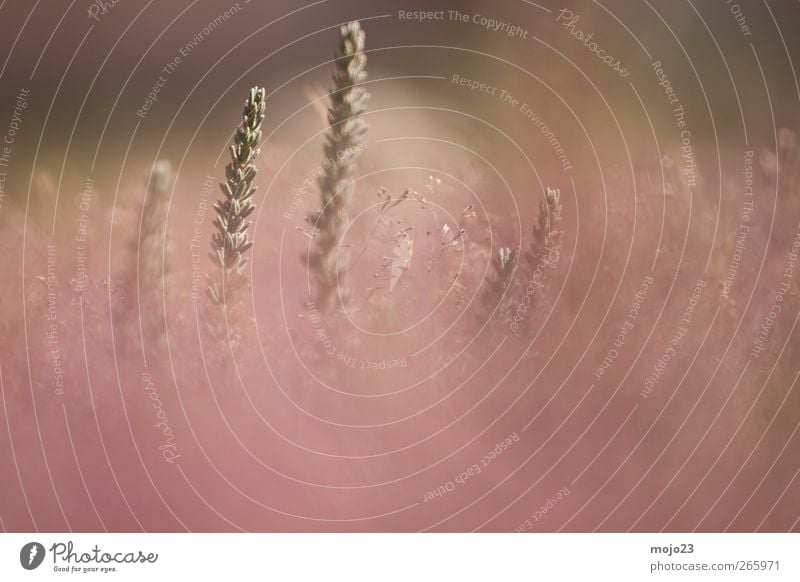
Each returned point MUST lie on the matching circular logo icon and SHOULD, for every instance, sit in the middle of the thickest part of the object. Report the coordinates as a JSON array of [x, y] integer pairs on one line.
[[31, 555]]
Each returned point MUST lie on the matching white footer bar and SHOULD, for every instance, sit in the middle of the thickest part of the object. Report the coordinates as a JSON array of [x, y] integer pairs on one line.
[[401, 557]]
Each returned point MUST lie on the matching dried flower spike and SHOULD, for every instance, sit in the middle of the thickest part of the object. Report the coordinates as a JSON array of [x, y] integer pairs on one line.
[[154, 248], [501, 285], [230, 243], [546, 233], [348, 101]]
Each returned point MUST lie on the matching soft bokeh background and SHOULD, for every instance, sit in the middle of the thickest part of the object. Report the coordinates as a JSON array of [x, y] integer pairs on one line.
[[275, 434]]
